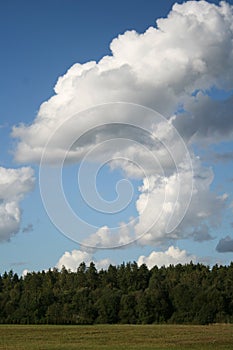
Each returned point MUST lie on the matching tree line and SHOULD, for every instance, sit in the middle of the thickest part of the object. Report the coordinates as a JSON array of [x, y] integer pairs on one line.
[[128, 293]]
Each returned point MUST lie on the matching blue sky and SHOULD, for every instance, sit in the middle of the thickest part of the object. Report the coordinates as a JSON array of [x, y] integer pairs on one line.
[[40, 41]]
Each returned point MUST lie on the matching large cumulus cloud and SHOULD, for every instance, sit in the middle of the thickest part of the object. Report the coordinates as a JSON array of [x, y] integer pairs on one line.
[[170, 68], [191, 50]]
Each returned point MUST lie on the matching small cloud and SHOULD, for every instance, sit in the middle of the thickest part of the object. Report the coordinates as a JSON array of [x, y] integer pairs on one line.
[[173, 255], [28, 228], [225, 245], [72, 260], [231, 224], [25, 272]]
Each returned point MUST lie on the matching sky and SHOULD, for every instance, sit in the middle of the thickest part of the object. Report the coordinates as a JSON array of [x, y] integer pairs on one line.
[[116, 132]]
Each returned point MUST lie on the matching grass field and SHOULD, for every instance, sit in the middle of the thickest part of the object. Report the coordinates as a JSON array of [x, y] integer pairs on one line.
[[115, 337]]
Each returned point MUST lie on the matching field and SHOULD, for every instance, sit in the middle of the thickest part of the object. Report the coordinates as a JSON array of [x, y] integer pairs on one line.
[[115, 337]]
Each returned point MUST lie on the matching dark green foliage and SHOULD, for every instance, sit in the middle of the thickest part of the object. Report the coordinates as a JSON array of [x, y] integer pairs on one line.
[[121, 294], [108, 306]]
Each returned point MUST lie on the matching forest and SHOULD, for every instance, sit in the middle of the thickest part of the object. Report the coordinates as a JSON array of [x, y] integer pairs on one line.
[[126, 294]]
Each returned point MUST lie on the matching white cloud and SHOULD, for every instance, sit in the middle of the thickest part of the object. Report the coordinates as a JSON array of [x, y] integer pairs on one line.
[[167, 68], [173, 255], [14, 184], [72, 260], [106, 237], [25, 272], [165, 213], [189, 50]]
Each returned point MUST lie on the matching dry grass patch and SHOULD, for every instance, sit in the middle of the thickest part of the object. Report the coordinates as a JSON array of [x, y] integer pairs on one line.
[[115, 337]]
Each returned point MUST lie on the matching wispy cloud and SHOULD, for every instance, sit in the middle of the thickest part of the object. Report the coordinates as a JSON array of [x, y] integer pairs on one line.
[[223, 157], [3, 126], [28, 228], [19, 263]]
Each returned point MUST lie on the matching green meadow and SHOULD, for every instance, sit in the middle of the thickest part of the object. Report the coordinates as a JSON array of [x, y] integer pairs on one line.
[[115, 337]]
